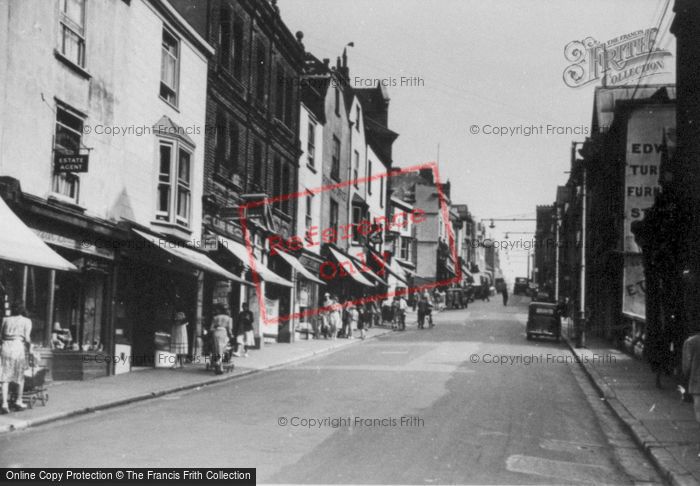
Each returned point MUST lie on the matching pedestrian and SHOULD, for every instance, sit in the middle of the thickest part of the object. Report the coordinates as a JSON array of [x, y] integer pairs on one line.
[[335, 315], [422, 309], [245, 337], [221, 332], [395, 311], [504, 292], [16, 342], [691, 369], [178, 339], [353, 319], [403, 309], [365, 319]]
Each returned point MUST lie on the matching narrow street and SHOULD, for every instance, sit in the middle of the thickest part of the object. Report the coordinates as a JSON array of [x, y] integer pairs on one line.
[[464, 422]]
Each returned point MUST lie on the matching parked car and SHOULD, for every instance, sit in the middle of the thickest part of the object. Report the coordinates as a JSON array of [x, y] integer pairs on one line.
[[521, 286], [543, 319]]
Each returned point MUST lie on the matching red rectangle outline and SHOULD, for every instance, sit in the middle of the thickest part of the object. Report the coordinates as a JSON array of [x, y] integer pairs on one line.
[[315, 311]]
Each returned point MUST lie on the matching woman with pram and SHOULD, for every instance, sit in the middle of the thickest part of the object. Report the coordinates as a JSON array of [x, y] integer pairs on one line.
[[221, 332], [16, 342]]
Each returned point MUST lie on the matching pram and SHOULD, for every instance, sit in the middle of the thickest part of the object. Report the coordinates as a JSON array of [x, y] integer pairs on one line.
[[227, 358], [34, 384]]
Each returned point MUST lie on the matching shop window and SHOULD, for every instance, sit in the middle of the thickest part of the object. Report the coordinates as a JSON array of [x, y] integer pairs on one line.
[[67, 141], [174, 184], [335, 162], [169, 68], [72, 27]]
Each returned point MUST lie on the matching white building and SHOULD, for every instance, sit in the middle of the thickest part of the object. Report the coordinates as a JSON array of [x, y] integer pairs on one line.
[[101, 148]]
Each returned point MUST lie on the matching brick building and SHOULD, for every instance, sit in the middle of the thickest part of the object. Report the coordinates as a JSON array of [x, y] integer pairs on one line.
[[251, 146]]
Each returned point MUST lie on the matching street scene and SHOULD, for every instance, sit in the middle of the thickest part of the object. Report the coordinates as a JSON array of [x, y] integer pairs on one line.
[[333, 242]]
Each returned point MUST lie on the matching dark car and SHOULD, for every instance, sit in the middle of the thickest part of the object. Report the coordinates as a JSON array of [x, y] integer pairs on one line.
[[521, 286], [543, 319]]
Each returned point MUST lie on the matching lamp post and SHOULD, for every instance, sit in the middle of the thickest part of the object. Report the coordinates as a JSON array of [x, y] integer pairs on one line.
[[580, 323]]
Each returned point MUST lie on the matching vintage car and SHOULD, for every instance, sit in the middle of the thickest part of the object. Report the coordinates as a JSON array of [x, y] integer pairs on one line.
[[543, 319], [521, 286]]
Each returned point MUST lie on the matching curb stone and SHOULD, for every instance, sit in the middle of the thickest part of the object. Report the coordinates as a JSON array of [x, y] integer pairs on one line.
[[25, 424], [663, 460]]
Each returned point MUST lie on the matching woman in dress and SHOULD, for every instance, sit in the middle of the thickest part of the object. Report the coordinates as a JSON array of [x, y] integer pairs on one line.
[[221, 332], [16, 342], [178, 338]]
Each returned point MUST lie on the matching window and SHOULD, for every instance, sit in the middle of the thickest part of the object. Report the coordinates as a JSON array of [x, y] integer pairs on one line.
[[231, 161], [237, 48], [381, 192], [72, 27], [277, 182], [334, 216], [169, 68], [356, 168], [174, 203], [311, 144], [220, 150], [260, 69], [279, 93], [225, 36], [337, 101], [335, 166], [289, 103], [357, 118], [67, 141], [184, 192], [405, 248], [258, 164], [287, 184], [369, 176], [356, 221], [309, 210]]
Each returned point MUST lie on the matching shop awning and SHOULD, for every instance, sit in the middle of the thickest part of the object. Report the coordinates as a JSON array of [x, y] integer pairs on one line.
[[190, 256], [467, 274], [20, 244], [299, 267], [450, 266], [393, 268], [240, 251], [350, 268], [408, 267]]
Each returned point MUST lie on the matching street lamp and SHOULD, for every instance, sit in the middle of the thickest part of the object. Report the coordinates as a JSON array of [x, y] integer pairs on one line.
[[492, 225]]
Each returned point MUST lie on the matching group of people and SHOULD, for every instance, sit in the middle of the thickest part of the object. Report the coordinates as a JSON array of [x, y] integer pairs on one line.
[[340, 319], [223, 338]]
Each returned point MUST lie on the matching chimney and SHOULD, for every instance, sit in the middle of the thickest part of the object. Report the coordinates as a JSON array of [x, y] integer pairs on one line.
[[427, 174]]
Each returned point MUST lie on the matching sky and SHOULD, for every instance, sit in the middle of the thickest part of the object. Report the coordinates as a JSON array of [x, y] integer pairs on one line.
[[483, 64]]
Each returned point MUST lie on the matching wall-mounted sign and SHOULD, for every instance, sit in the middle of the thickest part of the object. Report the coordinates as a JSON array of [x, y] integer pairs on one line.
[[70, 163]]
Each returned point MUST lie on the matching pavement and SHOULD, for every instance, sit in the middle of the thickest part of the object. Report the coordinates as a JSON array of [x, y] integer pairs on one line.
[[73, 398], [660, 423]]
